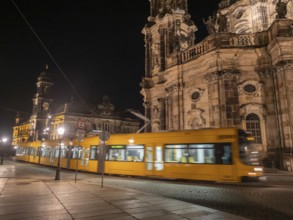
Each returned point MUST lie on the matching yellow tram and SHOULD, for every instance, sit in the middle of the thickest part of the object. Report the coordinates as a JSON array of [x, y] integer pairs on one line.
[[223, 154]]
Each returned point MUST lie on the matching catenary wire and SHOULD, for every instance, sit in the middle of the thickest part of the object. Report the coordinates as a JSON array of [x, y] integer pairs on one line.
[[13, 110], [49, 53]]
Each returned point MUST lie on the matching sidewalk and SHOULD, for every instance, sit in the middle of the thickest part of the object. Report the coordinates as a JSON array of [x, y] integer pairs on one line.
[[34, 198]]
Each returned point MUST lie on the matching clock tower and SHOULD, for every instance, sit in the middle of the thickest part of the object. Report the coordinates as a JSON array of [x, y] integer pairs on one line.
[[41, 106]]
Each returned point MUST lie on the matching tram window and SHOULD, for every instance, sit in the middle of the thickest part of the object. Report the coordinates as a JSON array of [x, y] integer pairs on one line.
[[56, 152], [47, 152], [75, 152], [43, 152], [223, 154], [201, 153], [176, 153], [220, 153], [135, 153], [209, 156], [93, 153], [117, 153], [63, 151], [26, 150], [32, 151]]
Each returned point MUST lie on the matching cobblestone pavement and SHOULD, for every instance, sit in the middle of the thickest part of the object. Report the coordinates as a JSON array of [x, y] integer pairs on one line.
[[271, 199], [29, 192]]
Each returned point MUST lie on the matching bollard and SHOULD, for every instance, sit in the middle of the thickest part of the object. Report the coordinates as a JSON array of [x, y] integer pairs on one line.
[[2, 159]]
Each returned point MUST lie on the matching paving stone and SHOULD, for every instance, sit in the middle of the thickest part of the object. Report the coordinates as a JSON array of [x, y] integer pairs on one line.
[[167, 217], [142, 209], [80, 209], [51, 217], [154, 213], [195, 215], [132, 206], [119, 216], [220, 216], [28, 197], [96, 213], [32, 214], [186, 210]]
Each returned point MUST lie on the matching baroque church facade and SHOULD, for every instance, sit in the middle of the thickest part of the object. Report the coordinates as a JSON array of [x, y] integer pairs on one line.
[[241, 75], [77, 118]]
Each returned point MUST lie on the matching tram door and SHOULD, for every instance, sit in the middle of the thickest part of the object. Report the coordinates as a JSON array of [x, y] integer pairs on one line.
[[84, 157], [154, 160]]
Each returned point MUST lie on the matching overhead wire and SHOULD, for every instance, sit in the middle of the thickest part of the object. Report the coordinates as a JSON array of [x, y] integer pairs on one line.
[[49, 54], [13, 110]]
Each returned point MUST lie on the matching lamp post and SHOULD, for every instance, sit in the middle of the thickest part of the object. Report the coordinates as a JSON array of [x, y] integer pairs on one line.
[[103, 136], [3, 140], [61, 131], [80, 135]]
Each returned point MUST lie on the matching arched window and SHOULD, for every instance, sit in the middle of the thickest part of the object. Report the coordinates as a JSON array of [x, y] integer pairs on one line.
[[253, 126]]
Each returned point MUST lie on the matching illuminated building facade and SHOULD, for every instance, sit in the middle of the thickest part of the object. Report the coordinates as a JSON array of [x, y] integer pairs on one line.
[[74, 116], [241, 75]]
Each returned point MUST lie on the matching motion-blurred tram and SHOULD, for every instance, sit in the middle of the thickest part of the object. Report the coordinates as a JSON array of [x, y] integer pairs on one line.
[[224, 154]]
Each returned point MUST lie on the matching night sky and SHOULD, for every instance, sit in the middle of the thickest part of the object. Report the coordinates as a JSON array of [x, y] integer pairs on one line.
[[97, 43]]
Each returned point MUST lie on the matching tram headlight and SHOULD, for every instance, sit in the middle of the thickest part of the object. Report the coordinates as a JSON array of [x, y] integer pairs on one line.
[[258, 169]]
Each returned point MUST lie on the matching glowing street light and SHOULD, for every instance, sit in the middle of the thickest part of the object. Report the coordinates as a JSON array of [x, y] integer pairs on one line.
[[61, 131], [3, 140]]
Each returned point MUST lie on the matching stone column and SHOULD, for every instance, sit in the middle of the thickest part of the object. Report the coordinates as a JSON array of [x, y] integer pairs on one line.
[[148, 62], [162, 50], [272, 128], [147, 107], [214, 100], [170, 108], [162, 116], [284, 88]]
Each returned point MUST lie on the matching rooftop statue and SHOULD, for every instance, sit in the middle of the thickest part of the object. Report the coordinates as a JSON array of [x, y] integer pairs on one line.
[[210, 24], [281, 9], [222, 22]]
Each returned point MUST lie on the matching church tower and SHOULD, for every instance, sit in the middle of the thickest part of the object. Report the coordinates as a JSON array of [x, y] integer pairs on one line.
[[168, 31], [41, 106]]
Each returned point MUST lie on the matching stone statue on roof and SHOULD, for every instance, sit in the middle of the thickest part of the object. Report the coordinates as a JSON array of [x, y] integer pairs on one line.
[[210, 25], [281, 9]]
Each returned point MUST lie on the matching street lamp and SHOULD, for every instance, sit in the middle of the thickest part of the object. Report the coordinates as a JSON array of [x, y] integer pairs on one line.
[[103, 137], [3, 140], [61, 131], [80, 135]]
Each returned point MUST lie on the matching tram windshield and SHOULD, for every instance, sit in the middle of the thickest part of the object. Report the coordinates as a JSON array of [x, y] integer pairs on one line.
[[248, 154]]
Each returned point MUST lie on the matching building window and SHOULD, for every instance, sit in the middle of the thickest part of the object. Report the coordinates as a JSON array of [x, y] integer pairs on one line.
[[253, 126], [249, 88], [195, 96]]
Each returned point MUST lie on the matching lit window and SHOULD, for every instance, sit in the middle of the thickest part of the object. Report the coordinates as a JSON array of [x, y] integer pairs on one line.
[[253, 126]]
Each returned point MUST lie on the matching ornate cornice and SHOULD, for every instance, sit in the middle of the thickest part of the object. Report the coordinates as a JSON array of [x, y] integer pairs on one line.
[[175, 87], [223, 74]]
